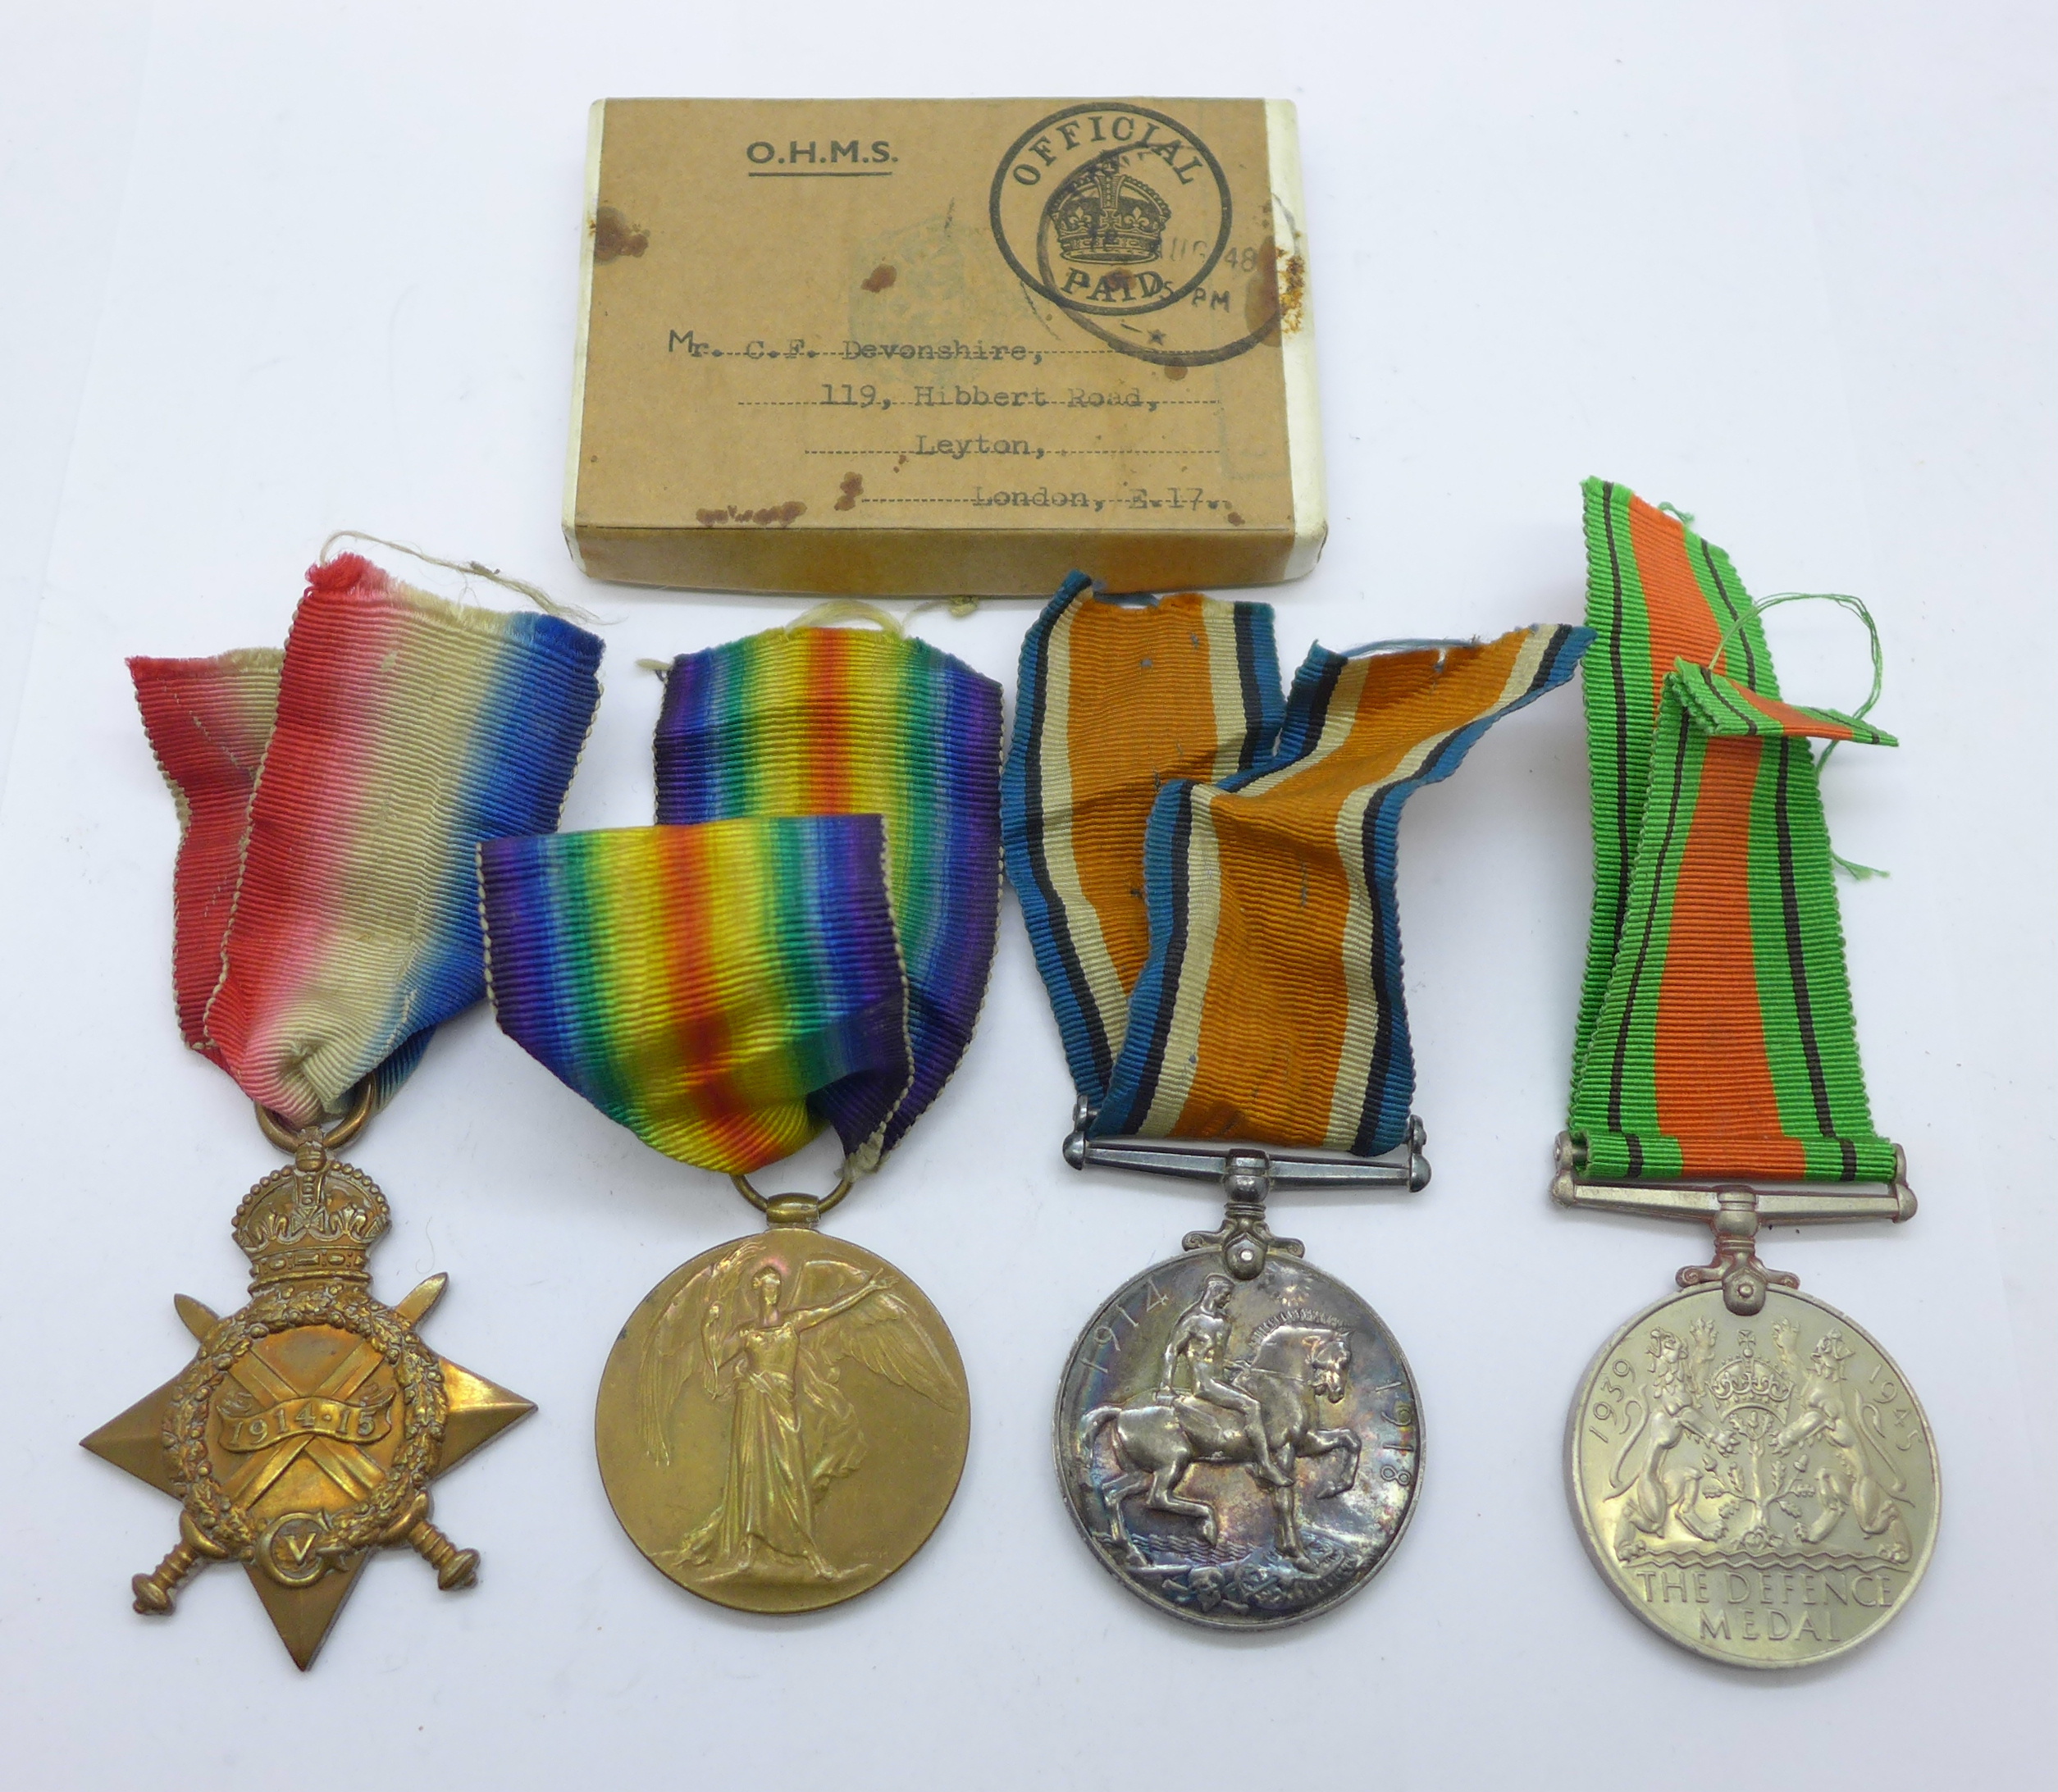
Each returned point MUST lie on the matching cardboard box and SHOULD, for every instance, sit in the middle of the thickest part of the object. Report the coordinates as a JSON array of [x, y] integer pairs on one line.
[[927, 347]]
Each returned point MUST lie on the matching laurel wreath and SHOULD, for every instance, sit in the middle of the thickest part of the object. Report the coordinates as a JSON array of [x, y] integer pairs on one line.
[[218, 1517]]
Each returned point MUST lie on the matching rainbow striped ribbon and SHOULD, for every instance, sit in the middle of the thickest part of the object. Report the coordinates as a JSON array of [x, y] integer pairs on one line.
[[719, 990], [851, 778], [1716, 1035], [331, 799], [853, 721], [1210, 891]]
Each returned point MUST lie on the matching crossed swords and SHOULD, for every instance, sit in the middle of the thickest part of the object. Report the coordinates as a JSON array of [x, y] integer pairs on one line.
[[345, 1463], [342, 1462]]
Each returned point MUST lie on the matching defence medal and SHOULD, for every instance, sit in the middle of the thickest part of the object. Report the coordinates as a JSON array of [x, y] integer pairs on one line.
[[1208, 883], [331, 798], [802, 941], [1750, 1472]]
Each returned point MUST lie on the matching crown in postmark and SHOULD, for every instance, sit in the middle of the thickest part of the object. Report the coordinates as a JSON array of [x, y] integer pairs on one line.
[[315, 1220], [1103, 215]]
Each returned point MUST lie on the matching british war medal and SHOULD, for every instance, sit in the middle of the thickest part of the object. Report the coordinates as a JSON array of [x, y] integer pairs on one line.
[[331, 799], [1750, 1472], [1208, 877], [802, 943]]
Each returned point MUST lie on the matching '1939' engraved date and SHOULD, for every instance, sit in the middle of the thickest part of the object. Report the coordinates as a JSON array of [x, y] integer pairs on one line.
[[1763, 1493]]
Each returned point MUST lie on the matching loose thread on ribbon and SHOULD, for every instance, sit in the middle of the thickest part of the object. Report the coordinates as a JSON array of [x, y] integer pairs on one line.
[[1856, 605], [834, 610], [549, 605], [831, 611], [964, 605]]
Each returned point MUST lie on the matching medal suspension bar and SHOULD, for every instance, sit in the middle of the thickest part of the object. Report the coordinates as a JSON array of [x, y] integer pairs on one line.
[[1736, 1207], [1248, 1172]]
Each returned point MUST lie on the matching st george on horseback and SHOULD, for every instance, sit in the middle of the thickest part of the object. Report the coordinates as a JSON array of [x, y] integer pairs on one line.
[[1261, 1413]]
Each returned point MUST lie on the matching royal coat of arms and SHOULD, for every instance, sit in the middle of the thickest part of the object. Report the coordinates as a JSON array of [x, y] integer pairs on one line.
[[1765, 1490]]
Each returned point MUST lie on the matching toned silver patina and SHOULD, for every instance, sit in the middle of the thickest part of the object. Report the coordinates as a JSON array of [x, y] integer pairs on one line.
[[1237, 1433], [1242, 1453]]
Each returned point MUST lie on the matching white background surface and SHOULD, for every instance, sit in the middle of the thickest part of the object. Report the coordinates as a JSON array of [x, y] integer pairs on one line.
[[269, 272]]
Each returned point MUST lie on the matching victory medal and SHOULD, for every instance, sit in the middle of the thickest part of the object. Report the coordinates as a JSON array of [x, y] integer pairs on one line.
[[1207, 879], [331, 799], [802, 943], [1750, 1472]]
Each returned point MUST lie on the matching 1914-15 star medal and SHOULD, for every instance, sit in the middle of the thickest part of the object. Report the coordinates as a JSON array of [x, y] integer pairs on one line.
[[305, 1433]]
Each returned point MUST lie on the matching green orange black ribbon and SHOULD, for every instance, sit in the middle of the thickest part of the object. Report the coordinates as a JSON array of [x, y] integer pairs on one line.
[[1715, 1030]]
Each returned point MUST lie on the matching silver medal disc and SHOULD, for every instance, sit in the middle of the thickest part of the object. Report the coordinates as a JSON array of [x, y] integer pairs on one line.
[[1241, 1453], [1762, 1490]]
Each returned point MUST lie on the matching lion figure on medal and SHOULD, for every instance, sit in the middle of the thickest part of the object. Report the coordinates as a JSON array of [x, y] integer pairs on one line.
[[1770, 1455], [768, 1340]]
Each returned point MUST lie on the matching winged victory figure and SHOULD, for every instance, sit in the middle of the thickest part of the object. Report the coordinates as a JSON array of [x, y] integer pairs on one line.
[[739, 1335]]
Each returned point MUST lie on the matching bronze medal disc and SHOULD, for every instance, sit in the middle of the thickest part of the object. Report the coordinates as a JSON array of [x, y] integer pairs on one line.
[[1760, 1490], [783, 1422], [1241, 1453]]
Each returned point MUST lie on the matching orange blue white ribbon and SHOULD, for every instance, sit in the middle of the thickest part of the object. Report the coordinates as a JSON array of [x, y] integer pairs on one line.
[[331, 800], [1255, 865], [1114, 700]]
